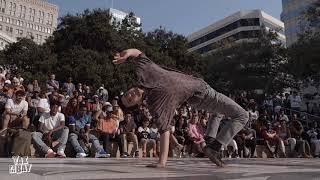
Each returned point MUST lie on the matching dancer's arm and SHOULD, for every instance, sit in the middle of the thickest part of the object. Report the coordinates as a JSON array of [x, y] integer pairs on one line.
[[120, 58]]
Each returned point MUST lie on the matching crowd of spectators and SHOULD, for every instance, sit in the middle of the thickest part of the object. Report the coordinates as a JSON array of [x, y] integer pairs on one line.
[[89, 121]]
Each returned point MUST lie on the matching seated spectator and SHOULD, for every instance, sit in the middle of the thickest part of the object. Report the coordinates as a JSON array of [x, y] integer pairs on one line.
[[313, 134], [107, 125], [43, 105], [234, 149], [272, 139], [94, 106], [196, 133], [253, 115], [34, 86], [145, 139], [17, 85], [72, 107], [15, 114], [79, 126], [296, 131], [284, 133], [52, 127], [117, 111], [181, 126], [246, 138], [154, 134], [282, 116], [127, 131]]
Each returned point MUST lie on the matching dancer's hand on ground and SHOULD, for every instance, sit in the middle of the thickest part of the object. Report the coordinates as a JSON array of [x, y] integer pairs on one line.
[[124, 55], [156, 165]]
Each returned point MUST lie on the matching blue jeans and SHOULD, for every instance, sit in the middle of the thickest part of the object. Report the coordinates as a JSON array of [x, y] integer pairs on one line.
[[73, 139], [61, 136]]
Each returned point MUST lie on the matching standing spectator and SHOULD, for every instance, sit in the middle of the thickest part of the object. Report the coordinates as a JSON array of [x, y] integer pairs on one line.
[[80, 88], [127, 131], [52, 127], [295, 102], [15, 113], [246, 138], [69, 86], [154, 134], [145, 139], [79, 125], [52, 84], [315, 109]]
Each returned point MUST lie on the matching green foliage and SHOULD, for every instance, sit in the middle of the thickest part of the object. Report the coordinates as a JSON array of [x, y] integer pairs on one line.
[[249, 65], [83, 47]]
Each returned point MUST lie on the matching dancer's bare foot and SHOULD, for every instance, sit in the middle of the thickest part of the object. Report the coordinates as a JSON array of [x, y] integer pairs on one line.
[[156, 165]]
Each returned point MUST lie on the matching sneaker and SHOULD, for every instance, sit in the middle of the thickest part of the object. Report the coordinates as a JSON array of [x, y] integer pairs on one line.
[[61, 154], [81, 155], [123, 155], [136, 154], [50, 154], [102, 154], [214, 156]]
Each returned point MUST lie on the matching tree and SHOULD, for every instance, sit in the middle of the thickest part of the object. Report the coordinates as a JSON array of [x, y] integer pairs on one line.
[[249, 65], [32, 61]]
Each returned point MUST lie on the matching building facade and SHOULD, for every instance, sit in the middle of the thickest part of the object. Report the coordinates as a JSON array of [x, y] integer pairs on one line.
[[244, 25], [35, 19], [292, 16], [118, 15]]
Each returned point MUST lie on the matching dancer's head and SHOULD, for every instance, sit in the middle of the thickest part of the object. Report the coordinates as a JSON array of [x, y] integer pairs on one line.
[[132, 97]]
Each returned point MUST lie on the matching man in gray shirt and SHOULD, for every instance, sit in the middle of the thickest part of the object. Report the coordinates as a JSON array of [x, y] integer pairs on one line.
[[165, 90]]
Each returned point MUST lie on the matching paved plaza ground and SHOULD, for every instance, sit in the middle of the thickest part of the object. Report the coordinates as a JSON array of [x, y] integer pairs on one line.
[[178, 169]]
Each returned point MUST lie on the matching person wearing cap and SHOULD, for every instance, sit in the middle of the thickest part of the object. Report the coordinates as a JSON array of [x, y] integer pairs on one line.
[[103, 94], [15, 114]]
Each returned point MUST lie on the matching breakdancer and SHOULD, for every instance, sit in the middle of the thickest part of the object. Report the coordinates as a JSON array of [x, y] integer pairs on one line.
[[165, 90]]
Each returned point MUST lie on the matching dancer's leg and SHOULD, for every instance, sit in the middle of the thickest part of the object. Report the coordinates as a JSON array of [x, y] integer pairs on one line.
[[164, 149]]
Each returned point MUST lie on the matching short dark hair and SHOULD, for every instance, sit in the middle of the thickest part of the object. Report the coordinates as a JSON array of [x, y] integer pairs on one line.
[[54, 103], [20, 93]]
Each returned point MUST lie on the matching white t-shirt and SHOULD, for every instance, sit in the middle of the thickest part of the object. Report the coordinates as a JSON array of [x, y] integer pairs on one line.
[[43, 103], [51, 122], [17, 108]]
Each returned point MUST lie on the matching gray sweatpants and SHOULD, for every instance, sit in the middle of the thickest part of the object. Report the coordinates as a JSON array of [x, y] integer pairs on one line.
[[215, 102]]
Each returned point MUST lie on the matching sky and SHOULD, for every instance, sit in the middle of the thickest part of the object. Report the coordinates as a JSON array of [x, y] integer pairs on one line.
[[179, 16]]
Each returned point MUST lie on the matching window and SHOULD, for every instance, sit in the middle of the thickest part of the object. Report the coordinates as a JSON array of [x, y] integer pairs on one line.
[[11, 29], [17, 31], [21, 32], [0, 27], [1, 18]]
